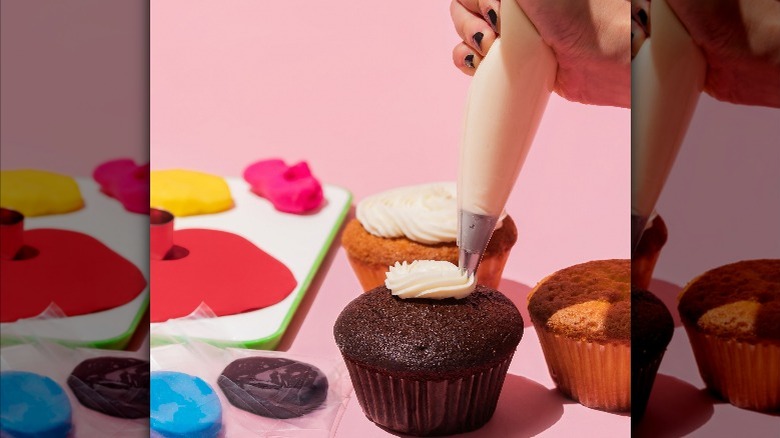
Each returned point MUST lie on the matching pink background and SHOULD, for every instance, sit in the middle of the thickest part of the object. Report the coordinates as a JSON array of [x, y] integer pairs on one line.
[[74, 83], [367, 94]]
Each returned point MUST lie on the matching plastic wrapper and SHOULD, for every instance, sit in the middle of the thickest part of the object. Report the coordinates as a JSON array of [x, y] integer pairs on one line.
[[294, 402], [46, 358]]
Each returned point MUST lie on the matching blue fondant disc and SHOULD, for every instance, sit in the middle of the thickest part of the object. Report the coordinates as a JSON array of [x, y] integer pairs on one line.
[[182, 405], [32, 405]]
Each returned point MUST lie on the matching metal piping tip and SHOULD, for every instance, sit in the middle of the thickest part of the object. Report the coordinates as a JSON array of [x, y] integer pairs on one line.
[[474, 233], [468, 262]]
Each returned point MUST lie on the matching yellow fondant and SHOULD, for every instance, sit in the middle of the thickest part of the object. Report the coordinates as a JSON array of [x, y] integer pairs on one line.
[[38, 192], [188, 193]]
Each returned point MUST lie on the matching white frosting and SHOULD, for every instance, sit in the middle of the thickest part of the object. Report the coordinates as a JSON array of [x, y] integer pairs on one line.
[[425, 213], [506, 101], [429, 279], [668, 76]]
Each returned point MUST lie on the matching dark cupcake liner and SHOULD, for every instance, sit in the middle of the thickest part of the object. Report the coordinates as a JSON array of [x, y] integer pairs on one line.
[[428, 407], [642, 379]]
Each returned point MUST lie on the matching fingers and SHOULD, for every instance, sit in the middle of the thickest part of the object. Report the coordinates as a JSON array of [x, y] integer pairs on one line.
[[638, 37], [472, 28], [640, 24], [640, 12], [465, 58], [487, 9]]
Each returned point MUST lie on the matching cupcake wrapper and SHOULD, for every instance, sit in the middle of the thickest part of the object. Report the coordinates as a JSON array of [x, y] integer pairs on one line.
[[369, 275], [642, 379], [642, 270], [428, 407], [491, 268], [746, 375], [595, 375], [373, 275]]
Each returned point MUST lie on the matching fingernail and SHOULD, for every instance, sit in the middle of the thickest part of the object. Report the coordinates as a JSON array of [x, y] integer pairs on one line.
[[469, 60], [478, 39], [493, 19], [642, 17]]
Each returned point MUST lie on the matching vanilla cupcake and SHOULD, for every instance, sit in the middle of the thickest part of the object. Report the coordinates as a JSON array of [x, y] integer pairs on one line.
[[416, 223], [582, 316], [732, 317]]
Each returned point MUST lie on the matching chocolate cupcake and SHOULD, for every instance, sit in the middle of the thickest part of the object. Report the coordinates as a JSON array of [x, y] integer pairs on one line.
[[647, 251], [651, 331], [732, 317], [426, 366], [582, 315], [416, 223]]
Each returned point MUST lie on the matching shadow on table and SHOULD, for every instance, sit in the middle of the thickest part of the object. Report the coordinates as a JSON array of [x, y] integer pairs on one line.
[[525, 408], [675, 409], [667, 292], [518, 293], [314, 288]]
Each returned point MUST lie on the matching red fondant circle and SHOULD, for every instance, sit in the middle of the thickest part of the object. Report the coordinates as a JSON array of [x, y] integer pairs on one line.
[[225, 271], [73, 270]]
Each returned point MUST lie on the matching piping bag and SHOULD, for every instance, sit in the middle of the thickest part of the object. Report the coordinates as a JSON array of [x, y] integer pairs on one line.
[[506, 101], [667, 78]]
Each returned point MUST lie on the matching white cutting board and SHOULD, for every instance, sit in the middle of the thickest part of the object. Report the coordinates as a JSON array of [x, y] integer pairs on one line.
[[126, 233], [298, 241]]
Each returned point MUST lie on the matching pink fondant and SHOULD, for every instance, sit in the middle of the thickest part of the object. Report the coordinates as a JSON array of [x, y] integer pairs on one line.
[[291, 189], [128, 183], [225, 271], [72, 270]]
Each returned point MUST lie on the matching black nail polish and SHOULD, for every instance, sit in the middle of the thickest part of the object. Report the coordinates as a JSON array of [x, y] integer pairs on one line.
[[478, 39], [642, 17], [493, 18], [469, 59]]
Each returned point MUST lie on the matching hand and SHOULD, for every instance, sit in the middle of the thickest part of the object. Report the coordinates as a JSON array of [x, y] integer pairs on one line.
[[741, 43], [640, 24], [590, 40]]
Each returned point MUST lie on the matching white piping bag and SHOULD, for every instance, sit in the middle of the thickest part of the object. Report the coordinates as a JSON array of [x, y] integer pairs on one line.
[[506, 101], [667, 78]]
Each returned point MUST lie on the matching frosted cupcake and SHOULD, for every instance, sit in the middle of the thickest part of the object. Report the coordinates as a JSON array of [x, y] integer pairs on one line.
[[428, 353], [416, 223], [732, 317]]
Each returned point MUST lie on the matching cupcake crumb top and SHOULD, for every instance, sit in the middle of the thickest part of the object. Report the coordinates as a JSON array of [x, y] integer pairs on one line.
[[740, 300], [591, 301]]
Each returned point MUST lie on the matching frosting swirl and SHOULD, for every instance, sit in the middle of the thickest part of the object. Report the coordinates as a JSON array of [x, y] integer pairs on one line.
[[426, 213], [428, 279]]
